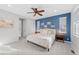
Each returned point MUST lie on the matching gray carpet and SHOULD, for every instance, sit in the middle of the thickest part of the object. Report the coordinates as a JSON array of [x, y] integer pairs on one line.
[[22, 47]]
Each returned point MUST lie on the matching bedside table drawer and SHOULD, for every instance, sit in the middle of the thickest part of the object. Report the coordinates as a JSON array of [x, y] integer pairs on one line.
[[60, 37]]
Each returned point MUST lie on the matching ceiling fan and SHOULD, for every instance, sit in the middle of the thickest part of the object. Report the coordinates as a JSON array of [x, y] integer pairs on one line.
[[36, 11]]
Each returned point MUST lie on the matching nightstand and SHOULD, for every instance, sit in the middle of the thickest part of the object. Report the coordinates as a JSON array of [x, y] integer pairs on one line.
[[60, 37]]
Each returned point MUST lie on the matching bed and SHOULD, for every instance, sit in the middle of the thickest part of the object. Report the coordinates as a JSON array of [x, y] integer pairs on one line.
[[44, 38]]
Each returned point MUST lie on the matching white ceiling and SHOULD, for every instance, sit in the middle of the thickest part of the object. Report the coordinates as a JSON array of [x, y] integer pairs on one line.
[[50, 9]]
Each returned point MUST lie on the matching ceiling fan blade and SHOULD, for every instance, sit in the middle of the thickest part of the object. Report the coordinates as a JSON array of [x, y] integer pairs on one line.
[[39, 14], [30, 12], [34, 14], [34, 9], [41, 11]]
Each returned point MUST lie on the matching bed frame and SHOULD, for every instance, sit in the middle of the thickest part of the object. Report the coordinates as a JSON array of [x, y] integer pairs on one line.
[[39, 45]]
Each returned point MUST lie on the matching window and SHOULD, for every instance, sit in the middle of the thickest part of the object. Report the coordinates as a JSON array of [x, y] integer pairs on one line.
[[62, 24], [77, 28]]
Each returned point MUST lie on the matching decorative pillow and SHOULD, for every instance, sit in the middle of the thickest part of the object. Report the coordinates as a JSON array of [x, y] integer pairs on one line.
[[43, 31], [47, 31], [51, 31]]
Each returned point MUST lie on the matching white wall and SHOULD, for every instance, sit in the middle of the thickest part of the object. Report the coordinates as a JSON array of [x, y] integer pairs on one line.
[[29, 26], [8, 35]]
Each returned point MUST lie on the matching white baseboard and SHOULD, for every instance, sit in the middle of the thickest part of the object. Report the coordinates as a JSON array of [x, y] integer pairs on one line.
[[67, 42]]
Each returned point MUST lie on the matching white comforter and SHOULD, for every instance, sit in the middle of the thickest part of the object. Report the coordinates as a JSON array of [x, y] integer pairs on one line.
[[43, 40]]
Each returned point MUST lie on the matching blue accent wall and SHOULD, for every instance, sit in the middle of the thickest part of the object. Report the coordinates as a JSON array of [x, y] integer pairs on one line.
[[55, 21]]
